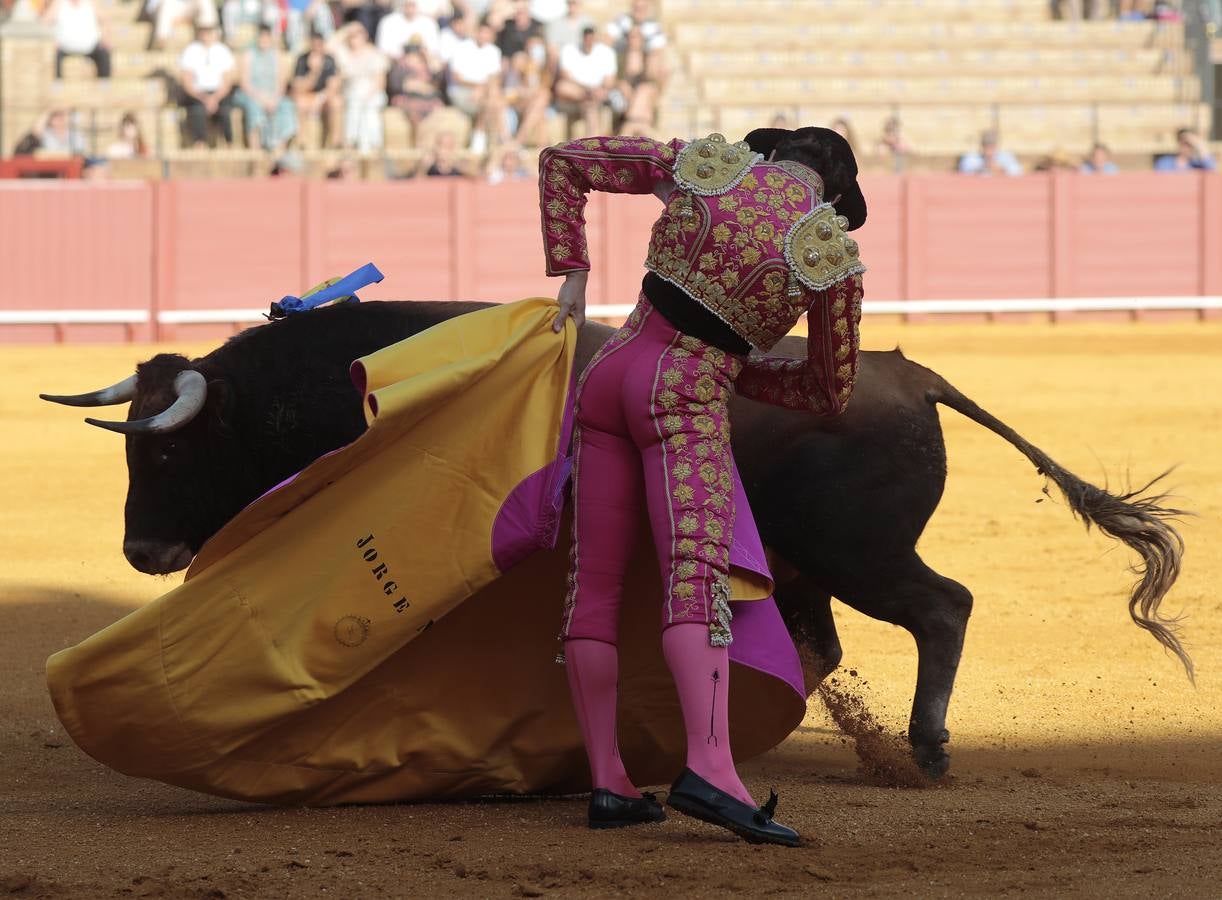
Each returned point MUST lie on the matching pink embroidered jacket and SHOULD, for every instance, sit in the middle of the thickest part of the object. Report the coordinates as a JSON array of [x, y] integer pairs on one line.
[[750, 240]]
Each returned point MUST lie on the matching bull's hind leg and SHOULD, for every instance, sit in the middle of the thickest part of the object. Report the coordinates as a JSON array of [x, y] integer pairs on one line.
[[935, 610]]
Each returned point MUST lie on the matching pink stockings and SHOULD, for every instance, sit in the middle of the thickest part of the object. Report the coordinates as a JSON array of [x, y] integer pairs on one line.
[[653, 435], [593, 670], [702, 678]]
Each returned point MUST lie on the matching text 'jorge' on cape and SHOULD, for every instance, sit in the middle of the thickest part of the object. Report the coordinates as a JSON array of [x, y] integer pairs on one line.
[[382, 626]]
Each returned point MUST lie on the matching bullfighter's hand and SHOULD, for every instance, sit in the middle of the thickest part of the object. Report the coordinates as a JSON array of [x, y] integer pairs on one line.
[[572, 300]]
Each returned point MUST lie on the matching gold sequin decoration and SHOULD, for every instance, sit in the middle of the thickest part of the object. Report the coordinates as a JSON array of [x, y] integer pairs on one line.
[[710, 166], [818, 251]]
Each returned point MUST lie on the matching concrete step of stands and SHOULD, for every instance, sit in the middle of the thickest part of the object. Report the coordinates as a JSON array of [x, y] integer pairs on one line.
[[992, 11], [243, 163], [1030, 89], [113, 93], [115, 11], [134, 36], [883, 34], [124, 64], [945, 63], [953, 129]]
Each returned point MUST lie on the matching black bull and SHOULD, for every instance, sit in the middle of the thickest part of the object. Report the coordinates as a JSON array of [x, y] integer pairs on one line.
[[840, 502]]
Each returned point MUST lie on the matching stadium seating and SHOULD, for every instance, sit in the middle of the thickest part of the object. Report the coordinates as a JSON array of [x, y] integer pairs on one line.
[[946, 68]]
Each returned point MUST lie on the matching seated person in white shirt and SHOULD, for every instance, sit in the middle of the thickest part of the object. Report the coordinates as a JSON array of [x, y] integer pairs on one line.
[[208, 73], [454, 35], [77, 33], [404, 24], [474, 85], [587, 75], [166, 14]]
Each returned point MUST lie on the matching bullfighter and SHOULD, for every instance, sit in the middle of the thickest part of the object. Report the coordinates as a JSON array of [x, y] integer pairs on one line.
[[753, 236]]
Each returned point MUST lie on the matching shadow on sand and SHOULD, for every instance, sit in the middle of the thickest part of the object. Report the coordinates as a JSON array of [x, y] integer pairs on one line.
[[44, 771]]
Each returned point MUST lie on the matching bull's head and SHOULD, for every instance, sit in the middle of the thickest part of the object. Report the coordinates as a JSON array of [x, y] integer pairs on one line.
[[170, 504]]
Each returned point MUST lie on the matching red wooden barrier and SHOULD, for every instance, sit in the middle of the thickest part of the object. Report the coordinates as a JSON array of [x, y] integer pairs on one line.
[[76, 246], [218, 245]]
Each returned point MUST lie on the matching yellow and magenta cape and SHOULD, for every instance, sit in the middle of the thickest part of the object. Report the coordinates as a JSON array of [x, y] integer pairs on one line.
[[382, 626]]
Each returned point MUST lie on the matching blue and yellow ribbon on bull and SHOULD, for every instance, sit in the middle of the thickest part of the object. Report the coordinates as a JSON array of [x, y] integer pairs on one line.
[[331, 292]]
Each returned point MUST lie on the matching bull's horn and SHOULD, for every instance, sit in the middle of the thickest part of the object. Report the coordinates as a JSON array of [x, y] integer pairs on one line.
[[116, 393], [192, 390]]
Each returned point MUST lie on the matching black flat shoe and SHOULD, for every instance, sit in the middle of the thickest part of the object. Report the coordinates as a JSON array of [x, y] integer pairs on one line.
[[693, 796], [608, 810]]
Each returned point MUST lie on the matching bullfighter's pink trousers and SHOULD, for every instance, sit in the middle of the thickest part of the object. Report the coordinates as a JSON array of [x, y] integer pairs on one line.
[[653, 433]]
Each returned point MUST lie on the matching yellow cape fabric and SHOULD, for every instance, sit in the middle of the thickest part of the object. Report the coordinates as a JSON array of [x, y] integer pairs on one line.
[[283, 671]]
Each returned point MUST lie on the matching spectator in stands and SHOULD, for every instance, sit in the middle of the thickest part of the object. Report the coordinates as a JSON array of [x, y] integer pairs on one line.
[[56, 133], [587, 75], [207, 71], [475, 86], [640, 16], [508, 166], [495, 12], [528, 92], [1099, 161], [368, 12], [990, 159], [28, 144], [129, 142], [305, 17], [316, 89], [456, 32], [411, 87], [1079, 9], [440, 10], [77, 33], [1130, 9], [364, 72], [1193, 153], [843, 127], [892, 145], [568, 29], [519, 29], [1166, 11], [235, 13], [168, 13], [1056, 161], [441, 161], [637, 86], [547, 11], [271, 117], [405, 24]]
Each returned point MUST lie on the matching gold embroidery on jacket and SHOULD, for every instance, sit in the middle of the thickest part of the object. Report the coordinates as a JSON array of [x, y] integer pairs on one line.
[[710, 166]]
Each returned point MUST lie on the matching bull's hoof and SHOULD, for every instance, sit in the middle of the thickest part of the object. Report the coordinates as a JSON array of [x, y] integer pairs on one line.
[[930, 757], [933, 765]]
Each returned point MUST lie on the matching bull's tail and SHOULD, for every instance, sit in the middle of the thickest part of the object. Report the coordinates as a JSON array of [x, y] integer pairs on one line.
[[1136, 518]]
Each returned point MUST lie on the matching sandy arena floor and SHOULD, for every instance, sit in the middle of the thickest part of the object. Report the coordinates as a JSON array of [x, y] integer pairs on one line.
[[1084, 762]]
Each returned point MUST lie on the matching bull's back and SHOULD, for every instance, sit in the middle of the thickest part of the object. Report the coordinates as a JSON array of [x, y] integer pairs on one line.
[[836, 461]]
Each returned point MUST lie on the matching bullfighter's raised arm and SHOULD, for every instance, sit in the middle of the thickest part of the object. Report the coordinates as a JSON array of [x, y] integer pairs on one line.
[[568, 172]]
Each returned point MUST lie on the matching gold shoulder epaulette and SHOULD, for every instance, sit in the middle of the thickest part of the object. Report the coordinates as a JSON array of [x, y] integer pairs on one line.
[[819, 252], [710, 166]]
